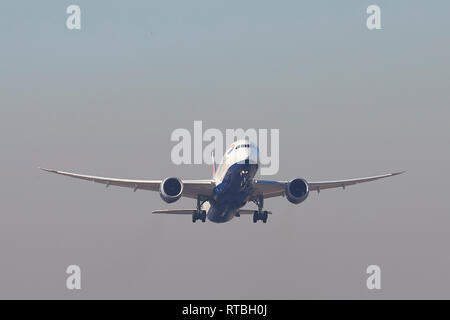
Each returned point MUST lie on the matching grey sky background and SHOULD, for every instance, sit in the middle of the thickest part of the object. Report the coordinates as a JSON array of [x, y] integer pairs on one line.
[[104, 100]]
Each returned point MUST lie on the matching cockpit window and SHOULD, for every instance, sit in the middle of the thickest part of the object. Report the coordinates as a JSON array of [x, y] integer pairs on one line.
[[243, 146]]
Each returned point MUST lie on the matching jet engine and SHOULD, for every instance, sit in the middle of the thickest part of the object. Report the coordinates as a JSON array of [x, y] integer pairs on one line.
[[297, 190], [170, 189]]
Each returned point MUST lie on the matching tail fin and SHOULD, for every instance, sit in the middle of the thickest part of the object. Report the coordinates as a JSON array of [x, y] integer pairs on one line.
[[213, 165]]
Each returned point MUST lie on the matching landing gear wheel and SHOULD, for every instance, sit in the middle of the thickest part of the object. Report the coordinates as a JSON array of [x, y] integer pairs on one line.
[[255, 217], [203, 216], [260, 216], [264, 216], [199, 216]]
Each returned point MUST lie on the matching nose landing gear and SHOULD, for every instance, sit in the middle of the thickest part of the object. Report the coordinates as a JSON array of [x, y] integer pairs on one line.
[[245, 179]]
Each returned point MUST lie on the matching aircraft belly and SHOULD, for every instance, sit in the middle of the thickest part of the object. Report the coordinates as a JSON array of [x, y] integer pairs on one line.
[[232, 193], [220, 214]]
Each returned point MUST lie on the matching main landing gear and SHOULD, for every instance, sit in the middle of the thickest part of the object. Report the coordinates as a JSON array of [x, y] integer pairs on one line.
[[260, 215], [199, 214]]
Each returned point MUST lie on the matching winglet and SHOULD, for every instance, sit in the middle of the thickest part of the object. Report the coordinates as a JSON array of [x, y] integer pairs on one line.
[[48, 170]]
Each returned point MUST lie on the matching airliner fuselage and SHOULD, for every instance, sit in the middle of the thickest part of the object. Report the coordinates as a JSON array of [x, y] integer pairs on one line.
[[233, 181]]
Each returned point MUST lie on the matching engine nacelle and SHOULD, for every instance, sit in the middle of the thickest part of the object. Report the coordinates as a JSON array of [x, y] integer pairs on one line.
[[170, 189], [297, 190]]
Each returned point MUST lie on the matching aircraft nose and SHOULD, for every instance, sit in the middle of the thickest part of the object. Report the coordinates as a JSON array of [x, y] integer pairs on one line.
[[252, 155]]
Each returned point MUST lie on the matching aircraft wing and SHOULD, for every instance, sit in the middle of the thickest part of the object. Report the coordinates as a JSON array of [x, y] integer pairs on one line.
[[191, 188], [270, 189]]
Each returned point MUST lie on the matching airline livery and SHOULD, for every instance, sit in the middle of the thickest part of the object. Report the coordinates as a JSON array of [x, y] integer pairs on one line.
[[233, 185]]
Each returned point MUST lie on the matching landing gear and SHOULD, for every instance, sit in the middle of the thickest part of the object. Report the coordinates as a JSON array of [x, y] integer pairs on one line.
[[260, 215], [199, 214], [245, 181]]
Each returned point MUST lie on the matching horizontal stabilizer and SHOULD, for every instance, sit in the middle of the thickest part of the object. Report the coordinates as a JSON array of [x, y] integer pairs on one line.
[[175, 211], [192, 211], [245, 211]]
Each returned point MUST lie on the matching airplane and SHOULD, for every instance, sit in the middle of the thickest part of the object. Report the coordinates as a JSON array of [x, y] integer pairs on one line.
[[232, 186]]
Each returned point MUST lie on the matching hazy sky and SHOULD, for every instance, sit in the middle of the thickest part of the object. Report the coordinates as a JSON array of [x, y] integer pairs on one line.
[[104, 100]]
